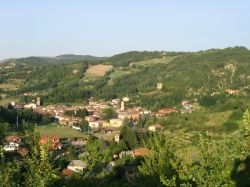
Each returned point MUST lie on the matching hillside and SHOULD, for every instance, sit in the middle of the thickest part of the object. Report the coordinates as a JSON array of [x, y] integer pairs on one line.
[[189, 75]]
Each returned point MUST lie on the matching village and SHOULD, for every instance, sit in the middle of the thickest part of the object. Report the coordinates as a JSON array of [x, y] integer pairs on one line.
[[98, 127]]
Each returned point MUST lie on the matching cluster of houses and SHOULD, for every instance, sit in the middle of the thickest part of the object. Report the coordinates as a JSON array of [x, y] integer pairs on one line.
[[95, 121], [95, 109]]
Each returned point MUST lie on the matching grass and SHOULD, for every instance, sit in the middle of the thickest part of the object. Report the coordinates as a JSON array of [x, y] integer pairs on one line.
[[164, 60], [7, 100], [63, 132], [219, 118], [118, 73]]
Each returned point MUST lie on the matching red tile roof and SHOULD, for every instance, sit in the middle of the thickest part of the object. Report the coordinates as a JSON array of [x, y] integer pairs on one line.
[[141, 152], [13, 138], [167, 110], [55, 137], [67, 172]]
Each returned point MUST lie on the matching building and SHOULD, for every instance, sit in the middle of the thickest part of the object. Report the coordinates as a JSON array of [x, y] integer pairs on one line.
[[166, 111], [77, 166], [155, 127], [140, 152], [53, 141], [13, 138], [117, 138], [38, 101], [159, 86], [67, 172], [116, 122], [233, 92], [30, 106], [94, 124], [122, 106], [105, 124]]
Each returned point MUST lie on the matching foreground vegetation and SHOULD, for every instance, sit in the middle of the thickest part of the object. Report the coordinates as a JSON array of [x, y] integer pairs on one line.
[[219, 161]]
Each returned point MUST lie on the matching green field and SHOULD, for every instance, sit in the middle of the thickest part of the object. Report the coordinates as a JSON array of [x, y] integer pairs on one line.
[[118, 73], [63, 132]]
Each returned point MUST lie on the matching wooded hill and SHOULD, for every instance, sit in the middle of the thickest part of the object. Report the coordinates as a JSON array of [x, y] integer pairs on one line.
[[184, 75]]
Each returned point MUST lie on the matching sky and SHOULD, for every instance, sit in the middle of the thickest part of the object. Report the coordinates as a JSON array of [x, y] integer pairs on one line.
[[105, 28]]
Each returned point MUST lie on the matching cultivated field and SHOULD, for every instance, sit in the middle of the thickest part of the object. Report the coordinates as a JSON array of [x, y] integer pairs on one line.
[[99, 70]]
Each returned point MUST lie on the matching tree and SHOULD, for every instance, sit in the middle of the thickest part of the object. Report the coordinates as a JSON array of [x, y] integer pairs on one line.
[[129, 137], [3, 129], [161, 165], [108, 113], [97, 154], [84, 126], [246, 119]]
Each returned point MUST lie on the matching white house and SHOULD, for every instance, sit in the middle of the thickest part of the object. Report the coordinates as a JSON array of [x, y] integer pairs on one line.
[[30, 105], [77, 166], [94, 124], [155, 127]]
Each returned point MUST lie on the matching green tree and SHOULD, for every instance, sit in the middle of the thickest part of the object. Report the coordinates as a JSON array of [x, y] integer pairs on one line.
[[108, 113], [3, 129], [84, 126]]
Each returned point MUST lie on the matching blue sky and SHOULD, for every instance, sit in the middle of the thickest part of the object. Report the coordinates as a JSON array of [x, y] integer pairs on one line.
[[103, 28]]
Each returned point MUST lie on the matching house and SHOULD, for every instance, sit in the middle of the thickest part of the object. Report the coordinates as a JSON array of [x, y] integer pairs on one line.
[[115, 101], [11, 147], [117, 138], [77, 166], [233, 92], [116, 122], [13, 138], [186, 105], [125, 153], [105, 124], [67, 172], [166, 111], [13, 143], [94, 124], [30, 106], [140, 152], [90, 118], [134, 115], [122, 114], [157, 114], [155, 127], [53, 139], [76, 128]]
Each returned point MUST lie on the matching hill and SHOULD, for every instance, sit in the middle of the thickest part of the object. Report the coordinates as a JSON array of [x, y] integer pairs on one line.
[[61, 59], [184, 75]]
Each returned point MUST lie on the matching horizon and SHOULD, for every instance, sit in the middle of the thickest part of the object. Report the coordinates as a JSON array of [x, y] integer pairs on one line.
[[39, 56], [49, 29]]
